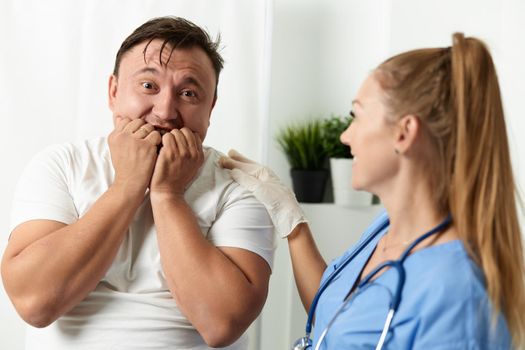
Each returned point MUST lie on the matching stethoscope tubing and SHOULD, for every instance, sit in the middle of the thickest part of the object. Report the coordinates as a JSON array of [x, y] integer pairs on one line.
[[339, 269], [396, 264]]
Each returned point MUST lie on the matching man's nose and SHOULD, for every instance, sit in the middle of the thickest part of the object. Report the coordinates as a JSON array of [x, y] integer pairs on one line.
[[165, 105]]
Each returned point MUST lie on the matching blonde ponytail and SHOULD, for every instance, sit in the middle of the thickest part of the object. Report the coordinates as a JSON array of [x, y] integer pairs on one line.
[[455, 92], [483, 194]]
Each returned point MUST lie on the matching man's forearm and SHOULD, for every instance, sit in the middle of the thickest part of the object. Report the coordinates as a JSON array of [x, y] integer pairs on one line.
[[48, 273], [217, 296]]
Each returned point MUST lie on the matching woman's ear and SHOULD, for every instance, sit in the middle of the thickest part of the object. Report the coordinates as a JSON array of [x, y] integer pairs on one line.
[[406, 132]]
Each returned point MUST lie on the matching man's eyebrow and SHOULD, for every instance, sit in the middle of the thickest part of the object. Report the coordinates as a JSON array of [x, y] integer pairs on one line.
[[188, 79], [151, 70], [191, 80]]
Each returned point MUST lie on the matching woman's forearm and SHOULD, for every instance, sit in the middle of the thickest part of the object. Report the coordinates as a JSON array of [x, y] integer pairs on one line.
[[307, 263]]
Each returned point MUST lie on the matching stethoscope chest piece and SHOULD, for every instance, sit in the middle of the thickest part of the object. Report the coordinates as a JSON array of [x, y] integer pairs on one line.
[[303, 343]]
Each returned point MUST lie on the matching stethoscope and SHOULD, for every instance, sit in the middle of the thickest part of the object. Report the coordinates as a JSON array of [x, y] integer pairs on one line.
[[305, 342]]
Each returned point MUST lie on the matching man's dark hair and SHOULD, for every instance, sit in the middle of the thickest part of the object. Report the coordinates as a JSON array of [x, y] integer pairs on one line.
[[176, 33]]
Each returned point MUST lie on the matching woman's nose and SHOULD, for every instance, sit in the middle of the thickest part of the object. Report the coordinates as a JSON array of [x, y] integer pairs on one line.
[[345, 136]]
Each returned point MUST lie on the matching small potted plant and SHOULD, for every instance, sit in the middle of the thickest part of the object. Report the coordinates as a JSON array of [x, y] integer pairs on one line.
[[341, 163], [303, 147]]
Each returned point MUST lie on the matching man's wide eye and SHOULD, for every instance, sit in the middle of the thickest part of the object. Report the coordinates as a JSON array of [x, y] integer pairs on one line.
[[147, 85], [188, 93]]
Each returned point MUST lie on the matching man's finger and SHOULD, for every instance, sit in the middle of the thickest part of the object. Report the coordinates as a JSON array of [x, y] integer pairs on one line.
[[182, 143], [154, 138], [198, 139], [134, 125], [168, 143], [191, 140], [143, 131], [121, 122]]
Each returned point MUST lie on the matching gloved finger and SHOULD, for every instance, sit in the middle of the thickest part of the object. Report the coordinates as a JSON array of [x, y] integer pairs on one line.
[[229, 163], [239, 157], [247, 181]]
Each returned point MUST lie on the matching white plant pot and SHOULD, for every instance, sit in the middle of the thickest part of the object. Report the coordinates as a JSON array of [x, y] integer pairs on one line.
[[344, 194]]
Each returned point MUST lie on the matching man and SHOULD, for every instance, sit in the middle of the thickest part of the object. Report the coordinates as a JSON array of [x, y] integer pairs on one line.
[[140, 240]]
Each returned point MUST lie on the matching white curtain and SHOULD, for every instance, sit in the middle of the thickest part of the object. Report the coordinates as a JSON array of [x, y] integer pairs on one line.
[[56, 57]]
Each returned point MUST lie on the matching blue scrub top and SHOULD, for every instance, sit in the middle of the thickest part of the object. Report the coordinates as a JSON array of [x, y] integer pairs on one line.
[[444, 304]]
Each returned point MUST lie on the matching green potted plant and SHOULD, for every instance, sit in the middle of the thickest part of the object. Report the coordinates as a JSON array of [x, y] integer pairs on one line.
[[303, 147], [341, 163]]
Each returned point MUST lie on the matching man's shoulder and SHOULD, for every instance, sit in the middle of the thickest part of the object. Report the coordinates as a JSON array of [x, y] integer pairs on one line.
[[212, 177], [91, 147], [215, 181], [211, 154], [70, 159]]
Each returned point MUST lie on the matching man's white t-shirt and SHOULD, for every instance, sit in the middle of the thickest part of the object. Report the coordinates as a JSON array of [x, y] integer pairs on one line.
[[132, 308]]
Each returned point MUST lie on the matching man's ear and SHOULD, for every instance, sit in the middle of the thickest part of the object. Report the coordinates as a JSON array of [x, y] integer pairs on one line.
[[112, 91], [406, 132]]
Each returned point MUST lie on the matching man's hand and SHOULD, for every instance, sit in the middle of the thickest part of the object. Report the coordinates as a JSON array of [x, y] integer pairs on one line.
[[232, 282], [49, 267], [178, 162], [133, 146]]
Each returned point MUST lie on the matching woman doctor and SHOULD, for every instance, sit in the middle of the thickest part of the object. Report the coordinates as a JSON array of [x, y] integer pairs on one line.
[[429, 139]]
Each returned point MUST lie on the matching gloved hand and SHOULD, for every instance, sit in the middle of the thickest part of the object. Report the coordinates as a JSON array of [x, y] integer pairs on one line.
[[279, 200]]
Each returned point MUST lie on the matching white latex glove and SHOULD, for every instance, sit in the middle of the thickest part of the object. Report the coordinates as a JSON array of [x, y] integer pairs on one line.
[[279, 200]]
